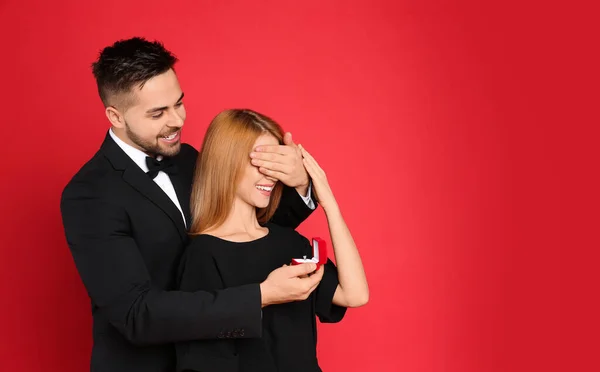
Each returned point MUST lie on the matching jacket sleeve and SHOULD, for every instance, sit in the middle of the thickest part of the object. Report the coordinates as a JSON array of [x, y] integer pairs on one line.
[[199, 272], [292, 210], [115, 276]]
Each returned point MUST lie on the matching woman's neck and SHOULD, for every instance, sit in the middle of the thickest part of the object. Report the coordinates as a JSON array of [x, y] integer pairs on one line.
[[240, 223]]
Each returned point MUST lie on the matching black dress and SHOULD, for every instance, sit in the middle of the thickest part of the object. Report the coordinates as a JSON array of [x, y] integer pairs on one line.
[[289, 335]]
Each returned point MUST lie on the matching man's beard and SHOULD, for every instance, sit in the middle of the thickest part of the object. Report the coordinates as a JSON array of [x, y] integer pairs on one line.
[[150, 148]]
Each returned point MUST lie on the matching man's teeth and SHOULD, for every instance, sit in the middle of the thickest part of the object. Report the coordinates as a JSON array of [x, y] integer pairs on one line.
[[171, 136], [264, 188]]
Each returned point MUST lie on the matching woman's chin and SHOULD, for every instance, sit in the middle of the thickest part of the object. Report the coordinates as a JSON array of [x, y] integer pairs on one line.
[[261, 204]]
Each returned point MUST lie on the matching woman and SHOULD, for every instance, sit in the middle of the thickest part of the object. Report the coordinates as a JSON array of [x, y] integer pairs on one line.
[[234, 244]]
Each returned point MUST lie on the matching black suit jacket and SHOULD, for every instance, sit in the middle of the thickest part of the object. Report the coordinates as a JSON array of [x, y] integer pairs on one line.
[[126, 237]]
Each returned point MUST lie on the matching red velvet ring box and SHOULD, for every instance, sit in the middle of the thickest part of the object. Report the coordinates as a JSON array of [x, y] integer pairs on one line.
[[319, 254]]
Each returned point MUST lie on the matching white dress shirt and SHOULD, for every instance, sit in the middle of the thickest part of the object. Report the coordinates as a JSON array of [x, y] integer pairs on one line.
[[308, 199], [164, 181]]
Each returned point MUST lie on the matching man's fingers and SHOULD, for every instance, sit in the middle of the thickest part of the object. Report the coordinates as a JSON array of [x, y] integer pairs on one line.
[[299, 270], [277, 167], [268, 156], [310, 290], [274, 174], [314, 280], [309, 284], [274, 149], [318, 275], [288, 140]]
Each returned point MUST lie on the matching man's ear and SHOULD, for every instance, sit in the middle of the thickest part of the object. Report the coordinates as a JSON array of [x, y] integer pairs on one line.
[[115, 117]]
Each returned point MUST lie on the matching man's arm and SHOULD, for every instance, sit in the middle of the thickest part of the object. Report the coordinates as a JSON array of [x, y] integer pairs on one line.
[[292, 209], [307, 197], [199, 271], [118, 283]]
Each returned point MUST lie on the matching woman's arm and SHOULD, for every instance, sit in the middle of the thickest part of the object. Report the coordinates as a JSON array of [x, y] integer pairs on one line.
[[352, 290]]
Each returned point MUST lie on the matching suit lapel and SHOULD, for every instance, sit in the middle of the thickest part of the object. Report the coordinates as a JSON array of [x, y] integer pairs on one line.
[[134, 176], [147, 187]]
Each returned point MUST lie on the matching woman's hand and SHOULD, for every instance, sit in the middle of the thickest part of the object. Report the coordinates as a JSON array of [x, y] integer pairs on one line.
[[321, 189], [352, 290]]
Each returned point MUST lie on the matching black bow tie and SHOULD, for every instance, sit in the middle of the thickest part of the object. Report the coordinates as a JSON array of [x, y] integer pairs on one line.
[[155, 166]]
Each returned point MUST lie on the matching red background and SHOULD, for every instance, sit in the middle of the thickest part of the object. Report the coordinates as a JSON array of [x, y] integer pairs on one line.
[[455, 137]]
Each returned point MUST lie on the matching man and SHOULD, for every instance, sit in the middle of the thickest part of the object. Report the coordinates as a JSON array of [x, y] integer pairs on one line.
[[126, 213]]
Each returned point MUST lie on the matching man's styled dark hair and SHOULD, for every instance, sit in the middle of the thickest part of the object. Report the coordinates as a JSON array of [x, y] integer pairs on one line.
[[127, 63]]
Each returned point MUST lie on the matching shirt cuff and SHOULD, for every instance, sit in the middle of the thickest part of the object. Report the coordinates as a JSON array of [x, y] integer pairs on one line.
[[308, 199]]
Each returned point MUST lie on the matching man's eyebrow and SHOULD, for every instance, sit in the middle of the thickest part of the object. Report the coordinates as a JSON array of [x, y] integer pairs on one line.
[[155, 109]]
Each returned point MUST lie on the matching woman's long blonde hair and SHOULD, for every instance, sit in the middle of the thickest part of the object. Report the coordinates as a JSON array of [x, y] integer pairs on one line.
[[221, 162]]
